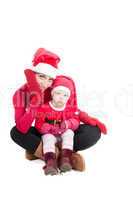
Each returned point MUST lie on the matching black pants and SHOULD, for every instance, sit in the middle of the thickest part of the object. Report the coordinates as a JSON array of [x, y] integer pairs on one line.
[[85, 136]]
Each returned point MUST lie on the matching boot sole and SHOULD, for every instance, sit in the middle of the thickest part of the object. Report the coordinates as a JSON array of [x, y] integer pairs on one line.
[[65, 167], [51, 171]]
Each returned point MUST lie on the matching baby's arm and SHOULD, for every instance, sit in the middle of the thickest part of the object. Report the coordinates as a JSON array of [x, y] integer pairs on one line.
[[72, 123], [42, 126]]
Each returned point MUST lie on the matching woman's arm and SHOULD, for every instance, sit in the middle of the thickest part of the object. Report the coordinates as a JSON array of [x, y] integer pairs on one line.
[[23, 117]]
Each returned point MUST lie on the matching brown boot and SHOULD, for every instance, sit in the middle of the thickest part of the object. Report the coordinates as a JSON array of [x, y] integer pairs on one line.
[[39, 151], [78, 162], [30, 156], [51, 165], [65, 160]]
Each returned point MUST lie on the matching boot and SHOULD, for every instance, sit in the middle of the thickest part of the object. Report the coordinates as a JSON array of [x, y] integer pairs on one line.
[[65, 160], [51, 165], [30, 156], [39, 151], [78, 162]]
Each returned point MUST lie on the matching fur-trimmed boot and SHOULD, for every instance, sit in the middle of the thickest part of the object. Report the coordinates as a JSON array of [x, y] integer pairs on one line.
[[78, 162], [51, 165], [65, 160], [30, 156]]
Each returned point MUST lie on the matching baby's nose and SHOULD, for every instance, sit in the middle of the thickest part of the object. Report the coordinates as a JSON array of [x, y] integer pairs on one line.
[[61, 98]]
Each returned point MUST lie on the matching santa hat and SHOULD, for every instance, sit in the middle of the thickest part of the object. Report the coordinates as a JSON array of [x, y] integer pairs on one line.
[[45, 62], [63, 88], [67, 84]]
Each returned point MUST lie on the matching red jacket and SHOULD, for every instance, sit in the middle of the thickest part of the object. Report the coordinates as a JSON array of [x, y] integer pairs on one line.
[[24, 111], [25, 105], [47, 113]]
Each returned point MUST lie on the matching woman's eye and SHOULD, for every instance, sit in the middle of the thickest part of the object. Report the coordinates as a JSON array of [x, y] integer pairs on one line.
[[50, 81], [41, 76]]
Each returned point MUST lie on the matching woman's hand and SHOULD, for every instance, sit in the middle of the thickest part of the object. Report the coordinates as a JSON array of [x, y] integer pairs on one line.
[[85, 118]]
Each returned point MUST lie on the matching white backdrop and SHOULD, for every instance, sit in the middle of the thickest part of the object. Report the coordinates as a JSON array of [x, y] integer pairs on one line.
[[95, 42]]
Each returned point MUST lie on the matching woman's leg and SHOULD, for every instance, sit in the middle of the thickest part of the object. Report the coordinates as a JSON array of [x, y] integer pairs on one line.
[[86, 136], [30, 141]]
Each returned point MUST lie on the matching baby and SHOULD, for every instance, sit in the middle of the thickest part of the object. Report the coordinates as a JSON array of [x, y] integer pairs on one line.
[[56, 121]]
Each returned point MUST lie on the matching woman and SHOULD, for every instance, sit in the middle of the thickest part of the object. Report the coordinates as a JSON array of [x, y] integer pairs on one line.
[[36, 92]]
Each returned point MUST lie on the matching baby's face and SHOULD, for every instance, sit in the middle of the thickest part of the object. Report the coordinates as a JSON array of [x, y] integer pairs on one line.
[[60, 97]]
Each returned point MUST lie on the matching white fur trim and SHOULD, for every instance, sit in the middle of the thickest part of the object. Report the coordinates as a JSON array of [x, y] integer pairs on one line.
[[57, 109], [62, 88], [76, 113], [46, 69]]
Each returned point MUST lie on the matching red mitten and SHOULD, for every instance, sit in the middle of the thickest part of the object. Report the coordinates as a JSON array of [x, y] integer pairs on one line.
[[63, 126], [85, 118], [31, 81], [35, 94], [69, 124], [49, 128], [55, 129], [101, 126], [45, 128]]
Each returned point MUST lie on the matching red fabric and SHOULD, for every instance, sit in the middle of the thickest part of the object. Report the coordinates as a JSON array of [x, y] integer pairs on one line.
[[26, 103], [49, 128], [85, 118], [67, 81], [69, 124], [63, 81], [31, 81], [46, 112], [44, 56]]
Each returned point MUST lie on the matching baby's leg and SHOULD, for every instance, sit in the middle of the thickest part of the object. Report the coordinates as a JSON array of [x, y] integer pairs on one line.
[[67, 139], [49, 141], [67, 149]]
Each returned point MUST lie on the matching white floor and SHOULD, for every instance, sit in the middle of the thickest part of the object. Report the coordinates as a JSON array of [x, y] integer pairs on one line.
[[107, 176], [95, 42]]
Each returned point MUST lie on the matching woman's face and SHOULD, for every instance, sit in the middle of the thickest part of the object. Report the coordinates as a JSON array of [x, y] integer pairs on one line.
[[44, 81]]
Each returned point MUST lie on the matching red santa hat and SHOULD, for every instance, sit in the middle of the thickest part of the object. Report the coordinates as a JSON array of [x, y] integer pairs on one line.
[[45, 62], [67, 84]]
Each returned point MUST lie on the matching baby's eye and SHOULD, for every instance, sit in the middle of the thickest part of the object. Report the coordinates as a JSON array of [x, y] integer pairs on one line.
[[58, 93], [65, 95]]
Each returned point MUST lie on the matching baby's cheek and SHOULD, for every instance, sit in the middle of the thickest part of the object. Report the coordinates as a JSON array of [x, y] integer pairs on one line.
[[55, 97], [65, 100]]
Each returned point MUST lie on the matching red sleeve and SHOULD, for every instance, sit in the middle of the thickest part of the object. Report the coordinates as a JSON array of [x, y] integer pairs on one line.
[[40, 120], [85, 118], [23, 117], [73, 121]]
